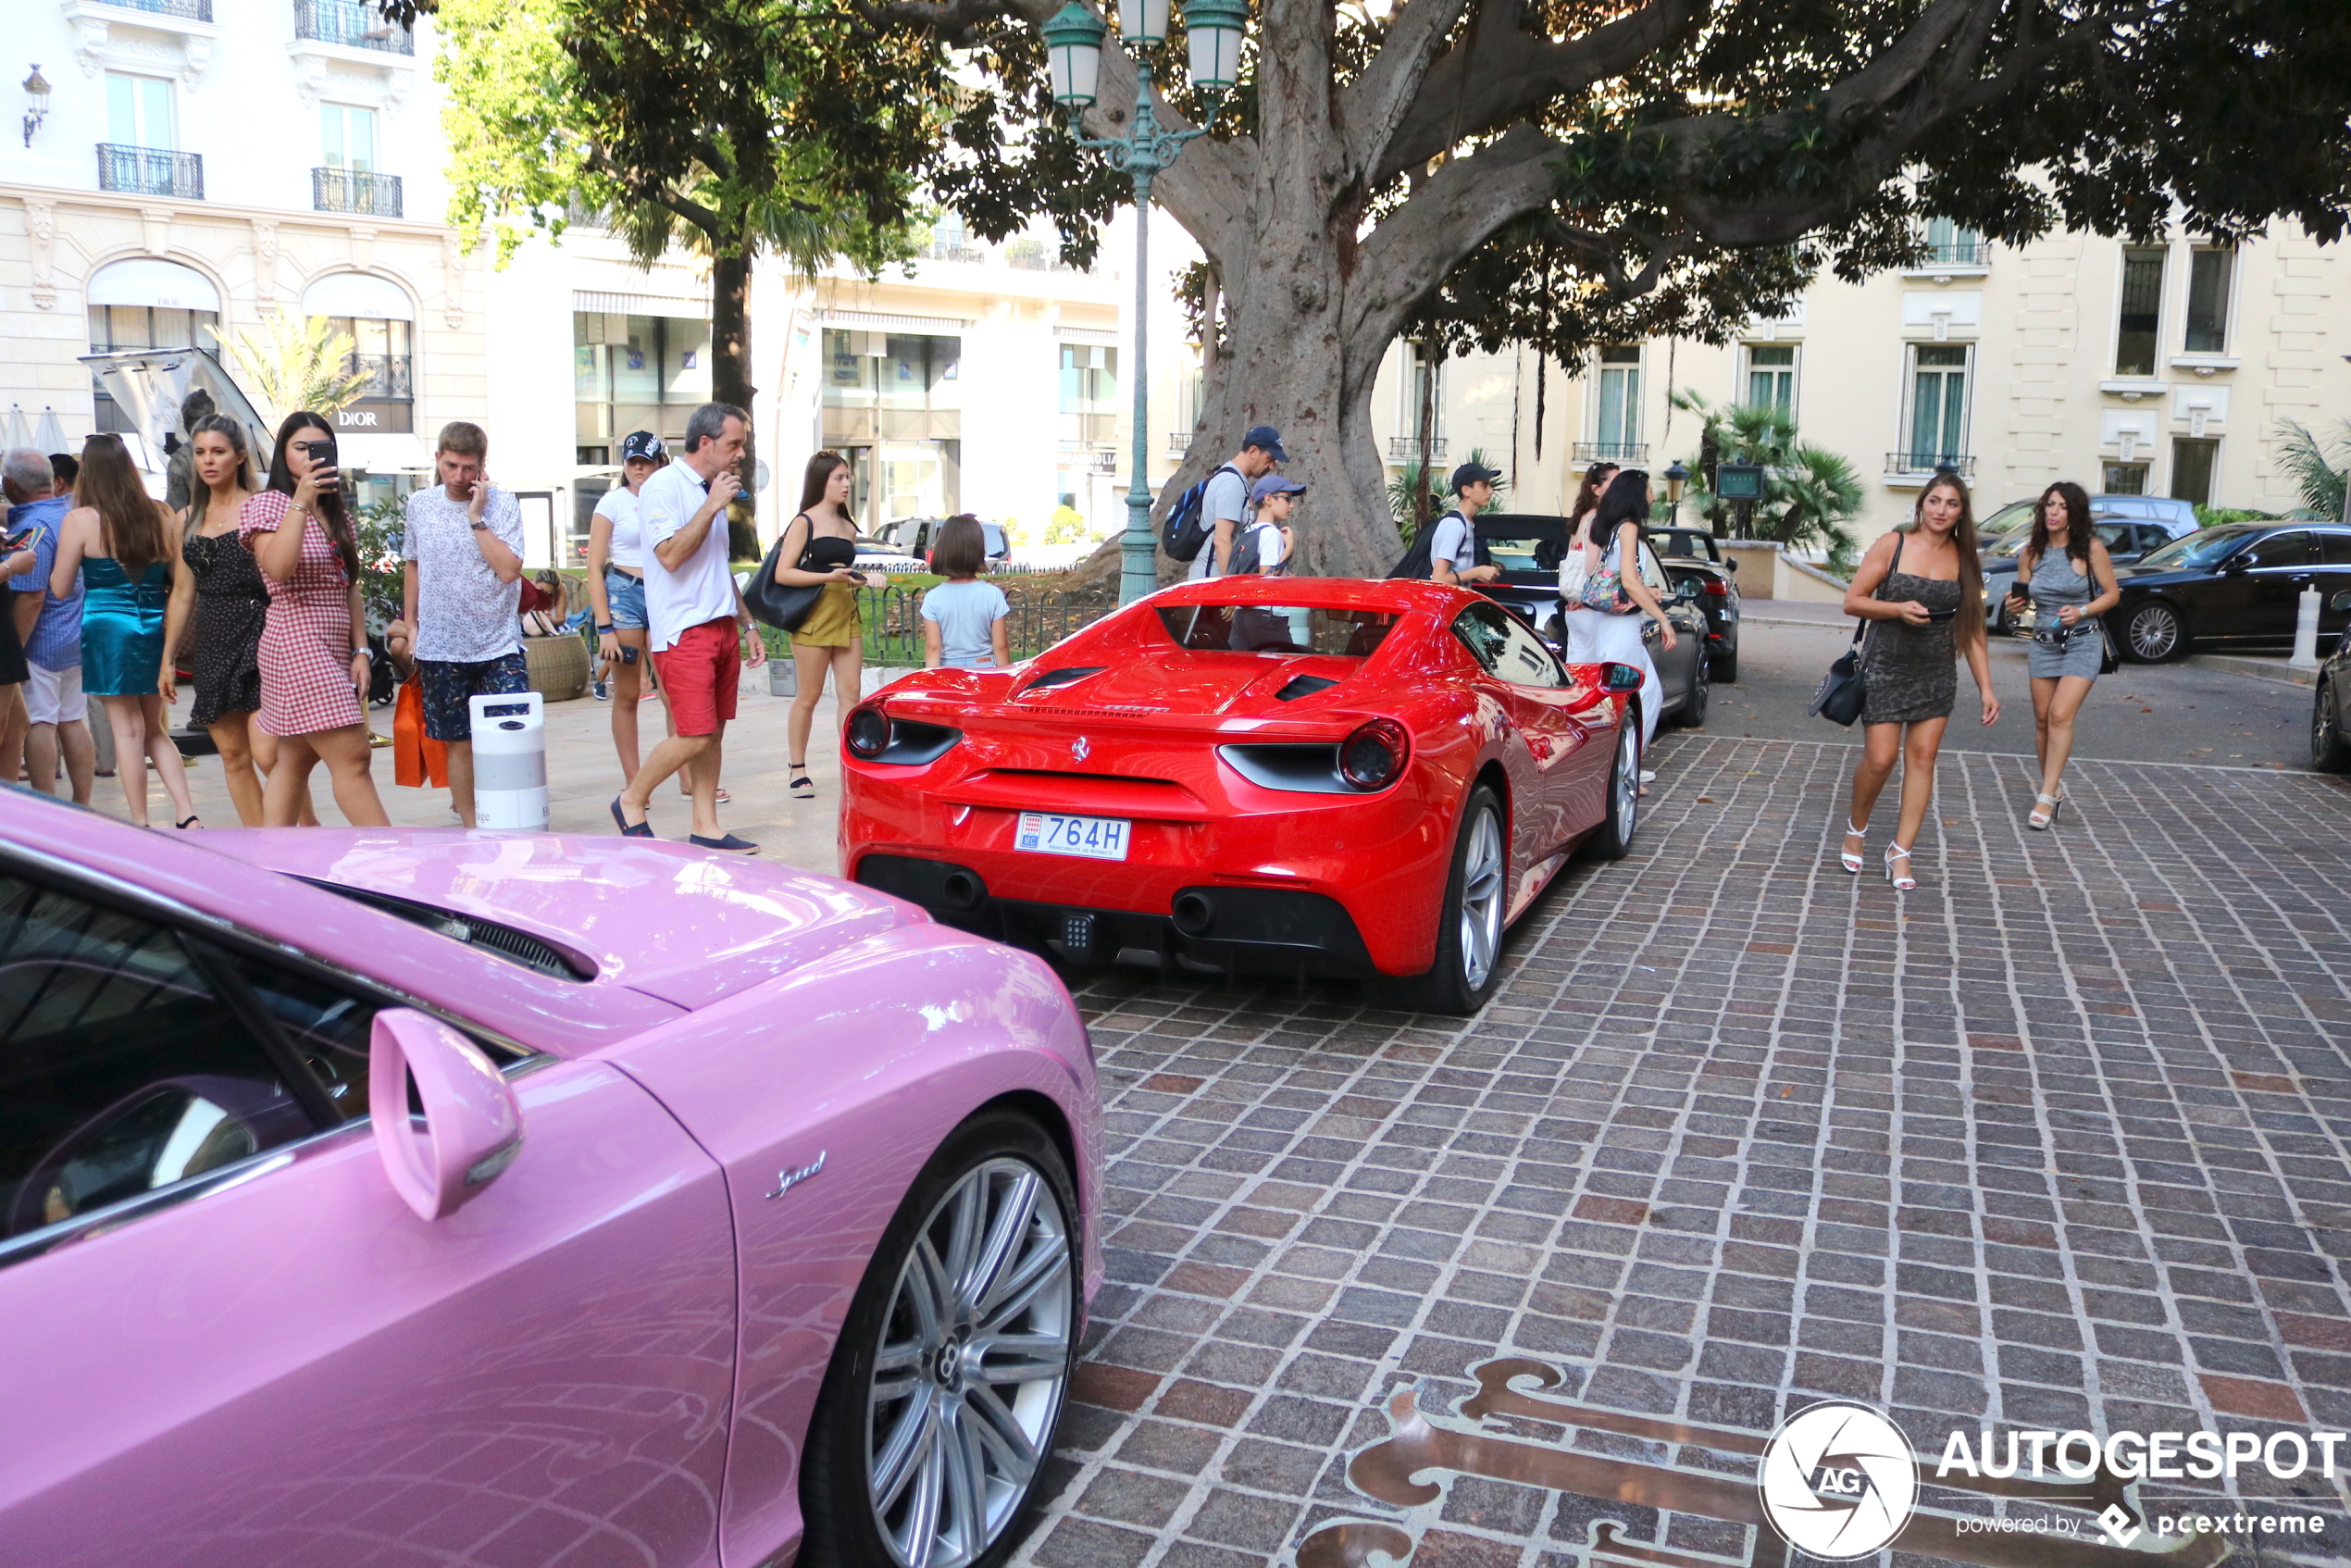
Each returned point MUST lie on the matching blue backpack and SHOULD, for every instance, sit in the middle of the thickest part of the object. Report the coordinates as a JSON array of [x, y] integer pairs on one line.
[[1185, 530]]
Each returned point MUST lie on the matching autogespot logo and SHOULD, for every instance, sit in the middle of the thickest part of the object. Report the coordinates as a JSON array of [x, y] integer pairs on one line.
[[1838, 1480]]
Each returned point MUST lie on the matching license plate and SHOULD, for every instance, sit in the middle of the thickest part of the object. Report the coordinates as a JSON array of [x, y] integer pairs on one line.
[[1090, 837]]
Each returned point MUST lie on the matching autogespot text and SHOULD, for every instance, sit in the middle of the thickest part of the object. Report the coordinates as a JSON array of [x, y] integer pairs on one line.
[[2153, 1456]]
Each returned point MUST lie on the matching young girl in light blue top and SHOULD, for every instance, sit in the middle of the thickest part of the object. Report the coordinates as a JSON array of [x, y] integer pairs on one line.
[[964, 618]]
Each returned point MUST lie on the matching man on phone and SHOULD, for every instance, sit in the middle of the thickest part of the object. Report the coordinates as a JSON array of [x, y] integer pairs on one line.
[[695, 620], [461, 576], [57, 716]]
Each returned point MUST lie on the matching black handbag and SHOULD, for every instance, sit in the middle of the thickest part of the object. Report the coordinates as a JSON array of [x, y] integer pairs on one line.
[[784, 606], [1844, 690]]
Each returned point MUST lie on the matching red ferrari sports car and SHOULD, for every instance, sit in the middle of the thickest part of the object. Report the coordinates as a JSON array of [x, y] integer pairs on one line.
[[1321, 776]]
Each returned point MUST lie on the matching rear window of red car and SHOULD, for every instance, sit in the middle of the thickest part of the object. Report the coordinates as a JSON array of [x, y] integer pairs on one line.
[[1278, 629]]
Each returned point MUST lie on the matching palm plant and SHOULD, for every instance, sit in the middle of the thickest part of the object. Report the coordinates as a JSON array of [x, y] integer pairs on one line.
[[2317, 473], [298, 363], [1809, 492], [1406, 490]]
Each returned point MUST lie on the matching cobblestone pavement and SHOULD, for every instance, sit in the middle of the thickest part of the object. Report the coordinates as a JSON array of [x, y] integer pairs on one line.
[[2059, 1141]]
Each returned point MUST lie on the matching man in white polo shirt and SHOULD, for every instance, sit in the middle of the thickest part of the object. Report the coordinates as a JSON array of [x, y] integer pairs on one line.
[[694, 620]]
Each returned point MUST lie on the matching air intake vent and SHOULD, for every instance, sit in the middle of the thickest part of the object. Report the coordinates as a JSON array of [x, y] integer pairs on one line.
[[1303, 686], [1061, 677], [516, 946]]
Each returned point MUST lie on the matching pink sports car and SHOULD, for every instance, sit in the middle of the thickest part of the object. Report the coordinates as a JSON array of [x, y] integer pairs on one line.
[[404, 1198]]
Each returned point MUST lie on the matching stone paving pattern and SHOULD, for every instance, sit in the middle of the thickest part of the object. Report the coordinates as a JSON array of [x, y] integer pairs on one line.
[[2057, 1140]]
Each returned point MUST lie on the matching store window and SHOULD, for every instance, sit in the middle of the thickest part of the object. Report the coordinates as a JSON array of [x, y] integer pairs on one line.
[[1938, 392], [376, 317], [892, 406], [1771, 377], [2138, 326], [1088, 396], [636, 373], [2211, 275], [1619, 429], [147, 303], [2192, 464]]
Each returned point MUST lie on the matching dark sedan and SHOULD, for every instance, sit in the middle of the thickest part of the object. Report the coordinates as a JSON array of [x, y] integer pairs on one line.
[[2331, 712], [2128, 539], [2238, 585], [1527, 547], [1693, 559]]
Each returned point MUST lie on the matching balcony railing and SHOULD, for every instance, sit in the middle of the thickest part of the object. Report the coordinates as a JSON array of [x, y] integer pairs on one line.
[[1928, 462], [351, 24], [1179, 442], [1407, 449], [1959, 252], [187, 10], [389, 375], [354, 189], [150, 171], [1626, 451]]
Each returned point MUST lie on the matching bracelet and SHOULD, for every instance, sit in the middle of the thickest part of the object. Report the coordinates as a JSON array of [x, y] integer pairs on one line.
[[363, 652], [604, 628]]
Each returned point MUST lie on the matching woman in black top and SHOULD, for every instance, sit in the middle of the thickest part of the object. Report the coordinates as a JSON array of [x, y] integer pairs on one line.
[[1922, 588]]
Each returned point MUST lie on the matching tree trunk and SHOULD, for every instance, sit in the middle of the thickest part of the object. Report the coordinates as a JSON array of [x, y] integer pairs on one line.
[[731, 382]]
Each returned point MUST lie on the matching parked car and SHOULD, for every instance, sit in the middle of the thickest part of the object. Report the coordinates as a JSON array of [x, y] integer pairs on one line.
[[1527, 547], [1365, 779], [1693, 557], [2331, 709], [2128, 539], [916, 536], [458, 1197], [2239, 584]]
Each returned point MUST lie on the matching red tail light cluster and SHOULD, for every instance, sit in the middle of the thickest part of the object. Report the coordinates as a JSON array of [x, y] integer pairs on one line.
[[1374, 757], [1717, 587]]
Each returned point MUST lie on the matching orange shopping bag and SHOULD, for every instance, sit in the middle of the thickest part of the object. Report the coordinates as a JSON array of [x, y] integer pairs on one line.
[[414, 754]]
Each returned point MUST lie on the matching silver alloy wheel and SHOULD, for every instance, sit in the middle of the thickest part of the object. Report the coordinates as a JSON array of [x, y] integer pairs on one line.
[[972, 1366], [2155, 632], [1482, 900], [1628, 776]]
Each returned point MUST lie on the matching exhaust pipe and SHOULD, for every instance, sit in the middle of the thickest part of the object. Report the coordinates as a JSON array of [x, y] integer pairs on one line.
[[1194, 912], [960, 891]]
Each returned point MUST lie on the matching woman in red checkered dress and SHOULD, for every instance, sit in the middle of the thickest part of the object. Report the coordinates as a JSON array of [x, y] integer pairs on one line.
[[314, 646]]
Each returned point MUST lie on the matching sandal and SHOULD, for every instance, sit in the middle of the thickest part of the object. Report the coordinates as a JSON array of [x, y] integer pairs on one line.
[[803, 787], [2041, 821], [1851, 859], [1905, 883], [186, 822]]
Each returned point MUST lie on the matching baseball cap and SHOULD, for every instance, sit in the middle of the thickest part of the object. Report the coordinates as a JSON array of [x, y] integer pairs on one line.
[[1475, 473], [643, 444], [1267, 437], [1273, 484]]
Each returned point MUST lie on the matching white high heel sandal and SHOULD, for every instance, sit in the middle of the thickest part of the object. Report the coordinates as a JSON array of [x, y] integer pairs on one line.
[[1849, 859], [1905, 883]]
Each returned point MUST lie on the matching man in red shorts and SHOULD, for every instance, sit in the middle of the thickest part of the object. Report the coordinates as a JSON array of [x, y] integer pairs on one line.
[[694, 620]]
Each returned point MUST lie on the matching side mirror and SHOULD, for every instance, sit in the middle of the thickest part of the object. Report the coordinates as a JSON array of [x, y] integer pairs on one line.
[[472, 1125], [2341, 600], [1621, 678], [2240, 562], [1731, 565]]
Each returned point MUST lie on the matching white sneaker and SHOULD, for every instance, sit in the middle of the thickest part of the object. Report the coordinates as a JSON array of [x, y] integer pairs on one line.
[[1647, 777]]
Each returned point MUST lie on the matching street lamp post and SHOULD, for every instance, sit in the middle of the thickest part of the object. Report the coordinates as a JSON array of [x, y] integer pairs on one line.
[[1676, 478], [1074, 48]]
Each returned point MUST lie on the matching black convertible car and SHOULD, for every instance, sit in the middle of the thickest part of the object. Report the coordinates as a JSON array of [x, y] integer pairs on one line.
[[2238, 585], [1527, 547]]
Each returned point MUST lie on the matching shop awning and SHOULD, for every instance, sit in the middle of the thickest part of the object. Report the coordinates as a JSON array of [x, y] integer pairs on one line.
[[383, 452], [152, 281]]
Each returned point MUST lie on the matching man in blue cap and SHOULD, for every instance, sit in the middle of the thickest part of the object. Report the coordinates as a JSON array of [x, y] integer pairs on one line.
[[1225, 504]]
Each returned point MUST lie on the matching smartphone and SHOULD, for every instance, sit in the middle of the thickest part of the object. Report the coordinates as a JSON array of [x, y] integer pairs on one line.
[[15, 542], [1933, 615], [323, 455], [628, 655]]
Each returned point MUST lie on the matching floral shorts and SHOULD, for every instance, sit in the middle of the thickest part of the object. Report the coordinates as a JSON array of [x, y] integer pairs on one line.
[[449, 683]]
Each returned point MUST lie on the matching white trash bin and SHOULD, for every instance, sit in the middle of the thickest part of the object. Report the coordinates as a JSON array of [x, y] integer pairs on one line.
[[510, 761]]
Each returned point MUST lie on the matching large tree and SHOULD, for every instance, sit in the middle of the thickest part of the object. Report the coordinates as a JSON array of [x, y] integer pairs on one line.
[[1562, 172]]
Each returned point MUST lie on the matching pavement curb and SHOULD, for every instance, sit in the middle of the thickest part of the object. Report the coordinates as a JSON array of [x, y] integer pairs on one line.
[[2259, 669]]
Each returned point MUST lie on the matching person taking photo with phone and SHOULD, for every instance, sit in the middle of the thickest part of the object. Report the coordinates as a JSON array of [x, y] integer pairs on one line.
[[2065, 571], [1922, 588], [697, 621], [312, 655]]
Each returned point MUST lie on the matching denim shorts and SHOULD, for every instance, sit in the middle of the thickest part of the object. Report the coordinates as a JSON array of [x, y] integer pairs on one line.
[[626, 595]]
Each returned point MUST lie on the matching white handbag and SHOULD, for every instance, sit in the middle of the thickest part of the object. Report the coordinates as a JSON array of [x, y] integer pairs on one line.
[[1575, 570]]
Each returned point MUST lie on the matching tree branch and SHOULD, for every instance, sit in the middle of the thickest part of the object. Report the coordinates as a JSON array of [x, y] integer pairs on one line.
[[1374, 105], [661, 196]]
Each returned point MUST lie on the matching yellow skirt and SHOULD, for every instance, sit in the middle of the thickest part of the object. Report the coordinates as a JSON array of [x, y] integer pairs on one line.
[[833, 623]]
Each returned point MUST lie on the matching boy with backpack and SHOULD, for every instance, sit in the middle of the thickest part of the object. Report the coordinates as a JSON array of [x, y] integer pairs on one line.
[[1446, 551], [1205, 522]]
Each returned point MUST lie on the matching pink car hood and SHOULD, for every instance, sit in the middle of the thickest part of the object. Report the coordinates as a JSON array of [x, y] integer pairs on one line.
[[674, 922]]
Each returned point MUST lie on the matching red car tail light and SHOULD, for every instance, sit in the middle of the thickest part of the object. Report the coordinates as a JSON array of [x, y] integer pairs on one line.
[[1716, 587], [1374, 757], [869, 733]]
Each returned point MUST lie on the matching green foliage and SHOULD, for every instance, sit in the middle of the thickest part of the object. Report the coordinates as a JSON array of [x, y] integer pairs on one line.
[[2213, 517], [1809, 492], [297, 362], [376, 529], [2317, 470], [1405, 490]]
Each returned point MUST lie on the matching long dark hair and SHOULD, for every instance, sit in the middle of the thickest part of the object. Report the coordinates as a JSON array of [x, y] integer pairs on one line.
[[108, 484], [812, 483], [1627, 500], [1589, 495], [2077, 524], [332, 516], [1969, 633], [233, 433]]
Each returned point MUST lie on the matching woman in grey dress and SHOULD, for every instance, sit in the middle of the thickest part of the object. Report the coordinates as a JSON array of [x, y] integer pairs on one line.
[[1922, 588], [2064, 568]]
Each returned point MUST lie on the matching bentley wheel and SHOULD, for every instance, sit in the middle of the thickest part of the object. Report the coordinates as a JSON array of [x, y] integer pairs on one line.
[[1469, 932], [930, 1435], [1614, 839], [2155, 632], [1693, 710], [2330, 747]]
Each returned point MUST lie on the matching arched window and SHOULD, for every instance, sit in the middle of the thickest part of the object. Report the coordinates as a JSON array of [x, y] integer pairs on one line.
[[145, 301], [376, 315]]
